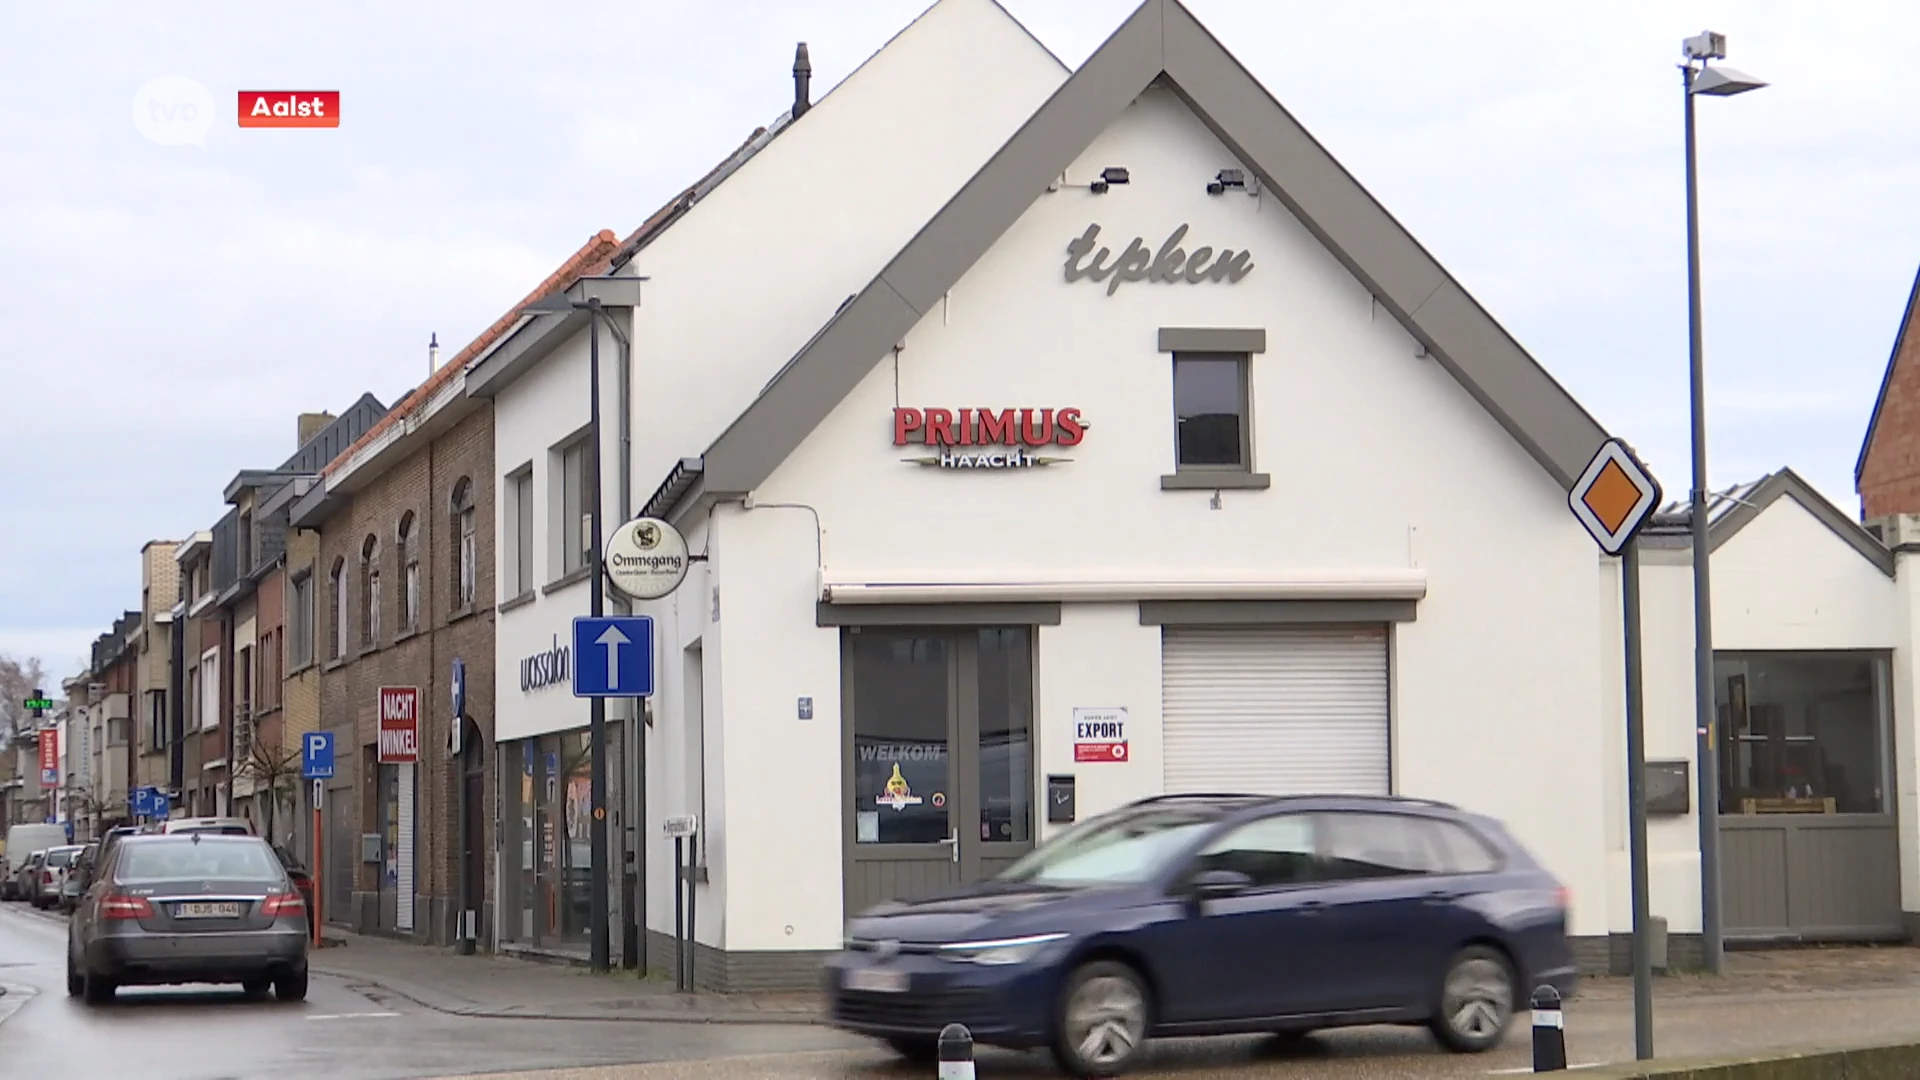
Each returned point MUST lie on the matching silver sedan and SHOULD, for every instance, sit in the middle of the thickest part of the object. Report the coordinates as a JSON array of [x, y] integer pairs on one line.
[[189, 908]]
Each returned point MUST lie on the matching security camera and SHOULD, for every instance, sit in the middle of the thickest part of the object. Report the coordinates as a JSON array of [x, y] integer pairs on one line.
[[1706, 45]]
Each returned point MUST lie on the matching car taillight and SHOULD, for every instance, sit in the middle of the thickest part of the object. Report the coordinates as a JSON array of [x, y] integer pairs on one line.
[[283, 904], [46, 877], [125, 907], [1564, 897]]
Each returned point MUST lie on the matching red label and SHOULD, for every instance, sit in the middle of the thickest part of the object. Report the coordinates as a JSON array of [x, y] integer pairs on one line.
[[1099, 751], [289, 108], [50, 750], [988, 427], [399, 725]]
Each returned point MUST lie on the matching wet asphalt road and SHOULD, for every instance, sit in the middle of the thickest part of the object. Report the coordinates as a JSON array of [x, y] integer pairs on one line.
[[341, 1032]]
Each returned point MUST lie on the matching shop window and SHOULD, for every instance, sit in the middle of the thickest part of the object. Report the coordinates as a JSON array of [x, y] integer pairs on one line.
[[1210, 412], [519, 532], [1006, 734], [1802, 732]]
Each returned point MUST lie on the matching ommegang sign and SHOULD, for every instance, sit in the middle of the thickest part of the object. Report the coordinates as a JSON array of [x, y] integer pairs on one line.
[[973, 438]]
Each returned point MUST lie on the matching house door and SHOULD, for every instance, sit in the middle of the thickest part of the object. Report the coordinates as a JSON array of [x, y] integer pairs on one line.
[[939, 735]]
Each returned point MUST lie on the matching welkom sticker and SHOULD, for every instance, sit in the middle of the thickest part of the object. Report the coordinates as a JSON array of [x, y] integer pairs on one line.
[[897, 795]]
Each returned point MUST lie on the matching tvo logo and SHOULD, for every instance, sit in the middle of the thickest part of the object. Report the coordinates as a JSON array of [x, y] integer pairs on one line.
[[174, 111]]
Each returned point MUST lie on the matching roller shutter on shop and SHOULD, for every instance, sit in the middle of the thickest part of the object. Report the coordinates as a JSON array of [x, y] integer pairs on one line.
[[403, 886], [1278, 710]]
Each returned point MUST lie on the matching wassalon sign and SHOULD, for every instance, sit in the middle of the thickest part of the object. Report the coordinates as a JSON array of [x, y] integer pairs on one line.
[[988, 438]]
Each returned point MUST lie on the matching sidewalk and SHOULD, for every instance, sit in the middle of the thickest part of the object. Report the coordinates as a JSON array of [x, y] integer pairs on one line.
[[483, 985], [503, 987]]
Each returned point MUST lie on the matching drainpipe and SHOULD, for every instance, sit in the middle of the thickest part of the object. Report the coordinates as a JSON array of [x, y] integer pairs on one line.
[[633, 881]]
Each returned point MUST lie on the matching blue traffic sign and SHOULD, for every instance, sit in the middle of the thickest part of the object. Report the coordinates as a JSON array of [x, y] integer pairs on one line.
[[158, 806], [316, 755], [613, 657]]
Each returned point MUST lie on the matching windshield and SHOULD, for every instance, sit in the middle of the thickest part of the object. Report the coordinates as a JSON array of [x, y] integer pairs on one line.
[[185, 860], [1124, 850]]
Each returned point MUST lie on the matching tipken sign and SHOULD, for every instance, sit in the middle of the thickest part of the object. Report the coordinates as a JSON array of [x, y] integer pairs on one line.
[[987, 438], [1169, 265]]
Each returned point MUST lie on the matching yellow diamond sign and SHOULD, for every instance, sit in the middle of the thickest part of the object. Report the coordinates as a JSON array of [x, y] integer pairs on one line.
[[1614, 496]]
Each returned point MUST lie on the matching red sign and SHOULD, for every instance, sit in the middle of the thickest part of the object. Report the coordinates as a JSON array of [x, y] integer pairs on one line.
[[289, 108], [988, 427], [399, 725], [50, 755], [1099, 751]]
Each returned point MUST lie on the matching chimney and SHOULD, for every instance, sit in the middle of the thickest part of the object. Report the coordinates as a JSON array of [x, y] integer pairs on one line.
[[433, 353], [313, 423], [802, 81]]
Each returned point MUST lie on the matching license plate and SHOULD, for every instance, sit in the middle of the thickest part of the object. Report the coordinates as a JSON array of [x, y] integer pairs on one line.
[[877, 982], [206, 911]]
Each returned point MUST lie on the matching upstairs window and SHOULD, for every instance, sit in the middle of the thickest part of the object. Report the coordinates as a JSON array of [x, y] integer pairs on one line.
[[1210, 412], [370, 591], [337, 608], [409, 574], [464, 552]]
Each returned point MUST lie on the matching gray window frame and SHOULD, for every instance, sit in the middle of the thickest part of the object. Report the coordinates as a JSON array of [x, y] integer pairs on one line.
[[1214, 343], [517, 551]]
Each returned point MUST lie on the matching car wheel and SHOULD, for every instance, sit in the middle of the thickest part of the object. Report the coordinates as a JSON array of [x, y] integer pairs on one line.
[[1102, 1022], [75, 984], [96, 990], [291, 985], [1476, 1001], [917, 1051]]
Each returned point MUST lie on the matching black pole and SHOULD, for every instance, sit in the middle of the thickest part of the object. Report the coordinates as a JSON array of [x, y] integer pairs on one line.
[[679, 913], [597, 707], [463, 940], [1549, 1031], [1637, 804], [693, 912]]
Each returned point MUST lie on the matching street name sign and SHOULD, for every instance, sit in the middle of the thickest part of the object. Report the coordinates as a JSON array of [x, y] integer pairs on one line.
[[613, 656], [680, 827], [1614, 496]]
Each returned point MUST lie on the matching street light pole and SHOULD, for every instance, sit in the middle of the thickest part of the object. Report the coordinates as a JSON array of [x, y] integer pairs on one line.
[[601, 951], [1718, 82]]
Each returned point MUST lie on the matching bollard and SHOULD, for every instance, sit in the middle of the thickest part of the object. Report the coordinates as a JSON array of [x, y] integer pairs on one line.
[[1549, 1031], [956, 1052]]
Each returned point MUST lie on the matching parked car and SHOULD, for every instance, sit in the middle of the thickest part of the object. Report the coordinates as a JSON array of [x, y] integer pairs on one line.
[[74, 884], [1216, 914], [194, 908], [225, 826], [26, 880], [52, 876], [22, 841], [302, 880]]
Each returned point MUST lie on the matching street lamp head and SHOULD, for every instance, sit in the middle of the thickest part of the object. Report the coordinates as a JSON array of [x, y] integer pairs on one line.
[[1724, 82], [1705, 45], [552, 304]]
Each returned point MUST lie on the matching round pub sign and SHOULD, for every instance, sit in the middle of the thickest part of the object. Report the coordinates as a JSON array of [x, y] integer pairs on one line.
[[647, 558]]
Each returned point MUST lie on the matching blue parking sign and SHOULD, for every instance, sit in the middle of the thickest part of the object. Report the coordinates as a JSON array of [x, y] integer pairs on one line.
[[316, 755]]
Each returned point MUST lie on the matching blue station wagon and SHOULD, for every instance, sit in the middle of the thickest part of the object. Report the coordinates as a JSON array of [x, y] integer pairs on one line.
[[1218, 914]]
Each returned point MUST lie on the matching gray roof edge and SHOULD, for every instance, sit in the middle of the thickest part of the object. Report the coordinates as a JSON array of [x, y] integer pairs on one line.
[[1886, 378], [1789, 484], [1161, 37]]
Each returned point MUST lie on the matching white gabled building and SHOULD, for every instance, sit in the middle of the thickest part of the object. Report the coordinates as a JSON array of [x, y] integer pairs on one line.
[[705, 302], [1287, 511]]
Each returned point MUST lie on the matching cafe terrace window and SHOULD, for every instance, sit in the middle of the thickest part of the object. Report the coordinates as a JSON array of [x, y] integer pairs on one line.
[[1803, 732]]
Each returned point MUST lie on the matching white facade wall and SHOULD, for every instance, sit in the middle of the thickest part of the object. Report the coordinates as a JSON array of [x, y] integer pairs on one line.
[[1380, 462], [739, 285]]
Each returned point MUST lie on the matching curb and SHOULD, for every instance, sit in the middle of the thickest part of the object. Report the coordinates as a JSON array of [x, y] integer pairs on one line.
[[625, 1016]]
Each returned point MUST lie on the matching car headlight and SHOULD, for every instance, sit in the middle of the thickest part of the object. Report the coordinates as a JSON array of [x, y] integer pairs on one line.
[[1002, 951]]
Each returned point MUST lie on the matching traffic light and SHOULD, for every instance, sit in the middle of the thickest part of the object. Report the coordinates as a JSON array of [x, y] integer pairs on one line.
[[38, 704]]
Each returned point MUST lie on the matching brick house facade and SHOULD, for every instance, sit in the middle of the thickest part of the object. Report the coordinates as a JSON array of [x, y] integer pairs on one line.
[[159, 591], [1887, 474], [409, 551]]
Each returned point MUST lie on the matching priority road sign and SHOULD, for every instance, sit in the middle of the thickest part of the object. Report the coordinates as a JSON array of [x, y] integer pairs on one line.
[[1614, 497], [613, 656], [316, 755]]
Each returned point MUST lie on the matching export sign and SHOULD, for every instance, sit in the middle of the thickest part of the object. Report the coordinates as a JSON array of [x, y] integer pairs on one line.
[[50, 756], [399, 725], [987, 438], [1099, 735]]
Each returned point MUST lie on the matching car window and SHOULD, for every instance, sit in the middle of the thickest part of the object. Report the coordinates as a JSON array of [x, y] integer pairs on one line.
[[185, 860], [1128, 848], [1363, 845], [58, 859], [1277, 850], [1458, 849]]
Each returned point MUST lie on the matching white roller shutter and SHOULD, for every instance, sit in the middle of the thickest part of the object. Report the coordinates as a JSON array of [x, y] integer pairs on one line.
[[1276, 710], [403, 888]]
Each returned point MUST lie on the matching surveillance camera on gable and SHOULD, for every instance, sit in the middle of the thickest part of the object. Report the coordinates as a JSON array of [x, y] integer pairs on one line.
[[1706, 45]]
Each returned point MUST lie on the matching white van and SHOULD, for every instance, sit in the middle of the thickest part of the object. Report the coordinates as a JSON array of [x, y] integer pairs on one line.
[[22, 842]]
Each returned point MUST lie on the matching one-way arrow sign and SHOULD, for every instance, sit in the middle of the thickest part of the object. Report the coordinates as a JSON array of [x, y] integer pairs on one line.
[[613, 657]]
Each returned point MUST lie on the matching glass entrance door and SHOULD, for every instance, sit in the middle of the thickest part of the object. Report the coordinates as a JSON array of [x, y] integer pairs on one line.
[[939, 738]]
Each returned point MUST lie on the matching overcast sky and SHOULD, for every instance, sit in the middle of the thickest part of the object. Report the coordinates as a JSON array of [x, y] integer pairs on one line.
[[168, 309]]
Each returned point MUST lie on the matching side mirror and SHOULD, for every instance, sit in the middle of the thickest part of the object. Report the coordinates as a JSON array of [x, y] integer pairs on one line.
[[1218, 883]]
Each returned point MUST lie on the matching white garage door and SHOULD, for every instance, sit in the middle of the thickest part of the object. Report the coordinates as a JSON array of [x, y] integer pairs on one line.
[[1280, 710]]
